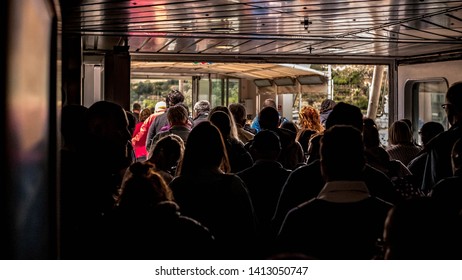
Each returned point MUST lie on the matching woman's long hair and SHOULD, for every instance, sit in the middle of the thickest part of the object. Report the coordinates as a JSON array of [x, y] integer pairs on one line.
[[205, 150], [310, 119], [233, 132]]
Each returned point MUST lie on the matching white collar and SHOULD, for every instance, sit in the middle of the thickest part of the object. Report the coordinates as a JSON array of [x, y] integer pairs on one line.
[[344, 191]]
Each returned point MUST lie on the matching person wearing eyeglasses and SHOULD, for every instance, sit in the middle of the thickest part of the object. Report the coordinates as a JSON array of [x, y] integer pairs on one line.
[[438, 162]]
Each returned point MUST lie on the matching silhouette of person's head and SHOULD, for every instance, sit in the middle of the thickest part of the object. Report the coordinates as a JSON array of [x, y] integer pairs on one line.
[[107, 135], [239, 113], [347, 114], [269, 102], [160, 107], [174, 97], [202, 106], [144, 114], [371, 136], [368, 122], [204, 150], [265, 145], [430, 130], [408, 122], [167, 152], [399, 133], [177, 115], [221, 120], [142, 188], [327, 105], [453, 104], [268, 118], [233, 132], [136, 108], [290, 125], [342, 153]]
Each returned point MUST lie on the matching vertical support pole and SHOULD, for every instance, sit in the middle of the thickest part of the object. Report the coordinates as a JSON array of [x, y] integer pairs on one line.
[[330, 83], [210, 90], [374, 93], [195, 89]]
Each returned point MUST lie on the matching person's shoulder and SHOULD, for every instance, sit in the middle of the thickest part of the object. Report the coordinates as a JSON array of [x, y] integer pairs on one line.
[[443, 138], [161, 134], [237, 144], [370, 170], [308, 207], [233, 181], [150, 119], [418, 159], [313, 167], [160, 117], [178, 182], [231, 177], [192, 224], [447, 185], [246, 132], [380, 203], [393, 148]]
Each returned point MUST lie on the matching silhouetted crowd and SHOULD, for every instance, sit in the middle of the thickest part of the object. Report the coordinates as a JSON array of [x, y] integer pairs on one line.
[[167, 184]]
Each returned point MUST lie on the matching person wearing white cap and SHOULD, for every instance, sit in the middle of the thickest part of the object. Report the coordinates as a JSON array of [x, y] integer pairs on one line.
[[160, 107]]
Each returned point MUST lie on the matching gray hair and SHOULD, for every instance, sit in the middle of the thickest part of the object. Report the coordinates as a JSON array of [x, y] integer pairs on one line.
[[202, 106]]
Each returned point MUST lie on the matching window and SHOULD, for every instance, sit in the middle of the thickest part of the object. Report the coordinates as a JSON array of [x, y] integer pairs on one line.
[[427, 98]]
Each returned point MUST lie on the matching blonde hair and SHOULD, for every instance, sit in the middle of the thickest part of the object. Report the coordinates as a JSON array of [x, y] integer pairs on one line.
[[399, 133]]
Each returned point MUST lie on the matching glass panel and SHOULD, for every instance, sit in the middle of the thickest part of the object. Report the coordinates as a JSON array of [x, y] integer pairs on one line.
[[203, 89], [217, 92], [233, 91], [147, 92], [428, 97]]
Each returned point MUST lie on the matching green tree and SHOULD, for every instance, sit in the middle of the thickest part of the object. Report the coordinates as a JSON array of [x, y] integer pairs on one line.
[[351, 84]]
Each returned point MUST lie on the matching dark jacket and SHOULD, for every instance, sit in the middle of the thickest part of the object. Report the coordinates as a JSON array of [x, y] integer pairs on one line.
[[202, 116], [159, 232], [159, 122], [221, 203], [306, 182], [337, 231], [292, 154], [239, 157], [448, 193], [264, 180], [438, 161]]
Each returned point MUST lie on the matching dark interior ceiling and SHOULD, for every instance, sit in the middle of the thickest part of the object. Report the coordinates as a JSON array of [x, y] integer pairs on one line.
[[249, 30]]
